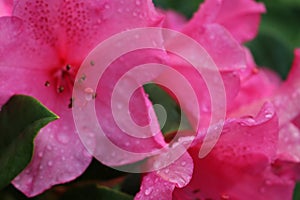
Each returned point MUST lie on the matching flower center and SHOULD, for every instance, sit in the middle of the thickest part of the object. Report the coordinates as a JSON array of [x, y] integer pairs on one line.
[[62, 80]]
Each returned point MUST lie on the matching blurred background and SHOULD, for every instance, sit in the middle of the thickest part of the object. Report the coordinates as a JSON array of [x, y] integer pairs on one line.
[[279, 35]]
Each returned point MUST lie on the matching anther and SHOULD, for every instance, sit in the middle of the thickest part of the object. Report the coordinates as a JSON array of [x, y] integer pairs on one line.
[[47, 83], [60, 89]]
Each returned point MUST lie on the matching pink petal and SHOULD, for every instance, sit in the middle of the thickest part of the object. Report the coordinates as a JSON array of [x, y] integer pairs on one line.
[[42, 37], [256, 88], [19, 49], [6, 7], [289, 143], [59, 155], [160, 184], [173, 20], [217, 41], [74, 28], [240, 17], [239, 167], [155, 187], [287, 97]]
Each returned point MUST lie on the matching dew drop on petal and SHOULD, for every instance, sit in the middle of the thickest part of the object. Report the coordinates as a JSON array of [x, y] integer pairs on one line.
[[50, 163], [63, 138], [49, 147], [40, 154], [148, 191], [268, 115]]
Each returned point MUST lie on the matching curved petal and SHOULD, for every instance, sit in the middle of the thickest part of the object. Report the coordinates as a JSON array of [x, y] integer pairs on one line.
[[287, 97], [59, 155], [239, 167], [173, 20], [74, 28], [240, 17], [164, 181], [221, 46]]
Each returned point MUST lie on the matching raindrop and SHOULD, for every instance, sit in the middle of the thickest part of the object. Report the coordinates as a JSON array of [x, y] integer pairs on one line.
[[167, 171], [63, 138], [120, 10], [107, 6], [40, 154], [29, 180], [183, 163], [134, 14], [225, 196], [268, 115], [50, 163], [137, 2], [63, 158], [49, 147], [148, 191], [127, 144]]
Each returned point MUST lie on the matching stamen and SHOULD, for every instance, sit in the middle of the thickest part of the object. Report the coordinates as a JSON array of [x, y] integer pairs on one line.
[[60, 89], [68, 67], [47, 83], [71, 103]]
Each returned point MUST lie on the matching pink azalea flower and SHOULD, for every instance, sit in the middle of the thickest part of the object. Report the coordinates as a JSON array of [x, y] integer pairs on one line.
[[240, 165], [240, 17], [257, 154], [41, 48]]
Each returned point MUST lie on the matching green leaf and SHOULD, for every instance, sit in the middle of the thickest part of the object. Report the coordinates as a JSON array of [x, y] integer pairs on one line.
[[279, 35], [93, 192], [185, 7], [158, 96], [297, 192], [20, 120]]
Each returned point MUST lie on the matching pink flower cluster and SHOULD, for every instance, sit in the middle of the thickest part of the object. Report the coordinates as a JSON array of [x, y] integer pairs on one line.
[[43, 43]]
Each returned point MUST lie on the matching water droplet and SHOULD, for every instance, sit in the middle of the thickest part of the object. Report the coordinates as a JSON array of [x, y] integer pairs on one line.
[[183, 163], [148, 191], [154, 43], [268, 182], [127, 144], [268, 115], [29, 180], [41, 167], [134, 14], [120, 10], [63, 138], [40, 154], [167, 171], [49, 147], [137, 2], [137, 36], [107, 6], [50, 163], [63, 158], [225, 196]]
